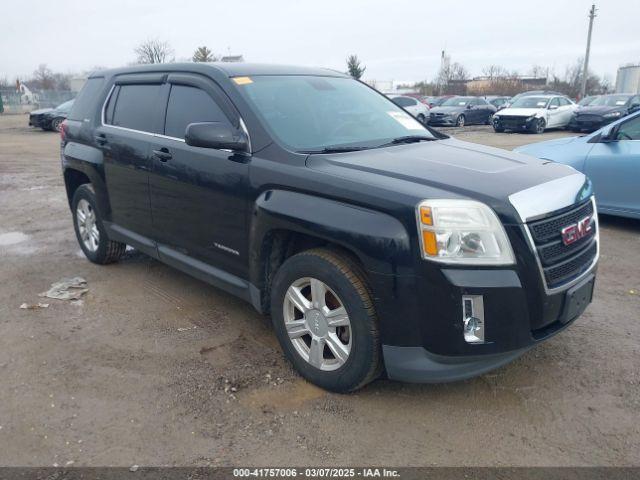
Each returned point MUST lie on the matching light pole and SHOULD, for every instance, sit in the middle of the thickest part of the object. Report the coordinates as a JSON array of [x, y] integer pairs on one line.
[[585, 71]]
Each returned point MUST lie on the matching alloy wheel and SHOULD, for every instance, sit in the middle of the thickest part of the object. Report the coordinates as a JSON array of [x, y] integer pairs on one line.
[[317, 324], [87, 226]]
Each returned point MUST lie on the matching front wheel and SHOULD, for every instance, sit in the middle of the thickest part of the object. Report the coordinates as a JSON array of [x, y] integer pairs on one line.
[[539, 125], [324, 319], [422, 119], [56, 124], [460, 121], [90, 231]]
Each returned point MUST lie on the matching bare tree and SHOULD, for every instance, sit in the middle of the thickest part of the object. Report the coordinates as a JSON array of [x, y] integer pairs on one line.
[[43, 78], [538, 71], [355, 69], [204, 54], [153, 51], [494, 71]]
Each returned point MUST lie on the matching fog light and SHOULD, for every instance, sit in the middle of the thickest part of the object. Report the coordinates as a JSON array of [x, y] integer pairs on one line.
[[473, 318]]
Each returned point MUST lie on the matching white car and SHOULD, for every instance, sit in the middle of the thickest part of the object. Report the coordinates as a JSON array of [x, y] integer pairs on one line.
[[535, 113], [412, 105]]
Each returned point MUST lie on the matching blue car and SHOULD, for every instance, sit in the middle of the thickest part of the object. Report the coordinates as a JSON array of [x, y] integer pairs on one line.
[[610, 157]]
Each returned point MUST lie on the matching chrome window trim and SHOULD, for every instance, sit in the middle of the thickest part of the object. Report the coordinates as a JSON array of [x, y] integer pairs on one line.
[[159, 135], [566, 286]]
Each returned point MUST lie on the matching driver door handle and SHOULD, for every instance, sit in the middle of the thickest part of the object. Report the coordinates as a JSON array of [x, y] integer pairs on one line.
[[163, 154]]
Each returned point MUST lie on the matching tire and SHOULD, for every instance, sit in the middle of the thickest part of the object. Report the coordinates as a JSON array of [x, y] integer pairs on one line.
[[460, 121], [422, 119], [90, 232], [498, 129], [489, 120], [56, 123], [345, 286], [538, 126]]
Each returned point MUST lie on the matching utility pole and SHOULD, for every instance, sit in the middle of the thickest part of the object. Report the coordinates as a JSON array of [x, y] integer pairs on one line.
[[585, 71]]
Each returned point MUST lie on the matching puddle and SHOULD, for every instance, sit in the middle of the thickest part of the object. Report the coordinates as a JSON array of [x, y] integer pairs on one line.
[[12, 238], [284, 397]]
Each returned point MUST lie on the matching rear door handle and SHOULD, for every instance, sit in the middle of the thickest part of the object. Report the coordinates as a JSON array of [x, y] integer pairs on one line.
[[163, 154], [101, 139]]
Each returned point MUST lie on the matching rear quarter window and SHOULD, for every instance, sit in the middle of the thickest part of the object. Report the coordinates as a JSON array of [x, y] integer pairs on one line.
[[84, 104]]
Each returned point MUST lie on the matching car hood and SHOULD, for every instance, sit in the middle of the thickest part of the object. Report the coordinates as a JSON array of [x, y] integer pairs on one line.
[[521, 112], [41, 111], [447, 109], [445, 168], [600, 109]]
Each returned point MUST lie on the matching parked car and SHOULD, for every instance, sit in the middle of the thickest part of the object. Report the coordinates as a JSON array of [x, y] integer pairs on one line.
[[498, 102], [460, 111], [376, 243], [50, 118], [418, 96], [535, 114], [603, 110], [609, 157], [415, 107]]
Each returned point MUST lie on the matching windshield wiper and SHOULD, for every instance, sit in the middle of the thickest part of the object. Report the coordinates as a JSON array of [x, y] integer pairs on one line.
[[334, 150], [409, 139]]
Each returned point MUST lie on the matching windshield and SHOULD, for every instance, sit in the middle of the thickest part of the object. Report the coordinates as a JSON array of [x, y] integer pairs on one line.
[[586, 101], [530, 102], [610, 101], [311, 113], [455, 102]]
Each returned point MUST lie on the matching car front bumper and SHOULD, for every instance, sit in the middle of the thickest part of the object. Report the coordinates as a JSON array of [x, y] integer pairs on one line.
[[591, 124], [442, 121], [513, 123]]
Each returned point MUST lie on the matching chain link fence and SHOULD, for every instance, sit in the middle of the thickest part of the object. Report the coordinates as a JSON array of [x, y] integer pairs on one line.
[[19, 102]]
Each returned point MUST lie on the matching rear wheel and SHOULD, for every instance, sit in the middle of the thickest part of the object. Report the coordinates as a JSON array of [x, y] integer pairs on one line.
[[90, 231], [324, 319], [460, 121]]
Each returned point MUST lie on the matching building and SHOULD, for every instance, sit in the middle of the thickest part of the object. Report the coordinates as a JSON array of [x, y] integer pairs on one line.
[[628, 79]]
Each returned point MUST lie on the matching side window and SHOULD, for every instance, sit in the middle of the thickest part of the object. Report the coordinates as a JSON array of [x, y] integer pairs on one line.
[[135, 107], [564, 102], [111, 104], [190, 105], [555, 102], [629, 130]]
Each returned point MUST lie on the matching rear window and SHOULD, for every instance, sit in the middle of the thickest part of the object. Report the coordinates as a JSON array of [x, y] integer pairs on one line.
[[135, 107], [189, 105], [85, 101]]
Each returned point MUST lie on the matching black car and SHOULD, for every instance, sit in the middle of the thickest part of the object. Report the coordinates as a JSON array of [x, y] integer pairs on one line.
[[375, 243], [588, 100], [460, 111], [603, 110], [50, 118]]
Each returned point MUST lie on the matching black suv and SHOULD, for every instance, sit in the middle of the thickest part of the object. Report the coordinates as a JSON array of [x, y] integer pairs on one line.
[[375, 244]]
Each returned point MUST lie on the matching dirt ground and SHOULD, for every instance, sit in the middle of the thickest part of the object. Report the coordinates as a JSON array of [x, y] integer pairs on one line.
[[153, 367]]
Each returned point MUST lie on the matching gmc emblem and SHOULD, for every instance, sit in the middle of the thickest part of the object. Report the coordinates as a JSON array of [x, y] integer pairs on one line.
[[575, 232]]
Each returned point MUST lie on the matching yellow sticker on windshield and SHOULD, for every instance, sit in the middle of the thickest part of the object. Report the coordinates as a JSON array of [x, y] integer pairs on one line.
[[242, 80]]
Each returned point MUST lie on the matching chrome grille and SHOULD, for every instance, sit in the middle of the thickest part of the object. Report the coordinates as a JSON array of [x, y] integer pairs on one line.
[[562, 263]]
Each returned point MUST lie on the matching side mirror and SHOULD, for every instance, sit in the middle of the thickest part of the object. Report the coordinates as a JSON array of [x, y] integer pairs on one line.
[[610, 136], [216, 135], [469, 106], [553, 107]]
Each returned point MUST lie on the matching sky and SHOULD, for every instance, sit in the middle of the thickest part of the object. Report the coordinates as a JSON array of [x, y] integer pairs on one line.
[[397, 40]]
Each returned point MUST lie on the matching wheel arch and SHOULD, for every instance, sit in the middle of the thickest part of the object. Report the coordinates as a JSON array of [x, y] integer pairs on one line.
[[285, 223]]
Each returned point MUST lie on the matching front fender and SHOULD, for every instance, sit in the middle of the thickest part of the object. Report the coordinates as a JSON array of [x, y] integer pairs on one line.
[[379, 240]]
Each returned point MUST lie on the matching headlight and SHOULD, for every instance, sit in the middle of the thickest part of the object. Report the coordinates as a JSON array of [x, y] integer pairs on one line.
[[530, 118], [462, 232], [612, 115]]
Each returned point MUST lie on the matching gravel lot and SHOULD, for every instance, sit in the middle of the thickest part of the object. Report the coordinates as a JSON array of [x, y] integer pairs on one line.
[[153, 367]]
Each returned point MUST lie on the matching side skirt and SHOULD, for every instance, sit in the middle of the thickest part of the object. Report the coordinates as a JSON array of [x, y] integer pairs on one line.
[[189, 265]]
